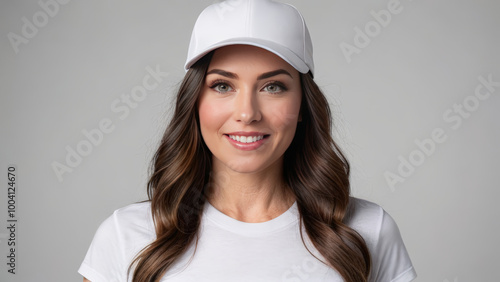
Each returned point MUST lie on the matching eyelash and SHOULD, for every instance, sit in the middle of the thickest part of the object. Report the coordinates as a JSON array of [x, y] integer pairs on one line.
[[219, 82], [276, 83]]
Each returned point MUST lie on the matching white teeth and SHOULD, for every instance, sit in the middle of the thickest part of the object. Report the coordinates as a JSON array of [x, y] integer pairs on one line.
[[246, 139]]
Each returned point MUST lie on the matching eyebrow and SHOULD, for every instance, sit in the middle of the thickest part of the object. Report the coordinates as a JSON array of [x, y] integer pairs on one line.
[[260, 77], [223, 73], [273, 73]]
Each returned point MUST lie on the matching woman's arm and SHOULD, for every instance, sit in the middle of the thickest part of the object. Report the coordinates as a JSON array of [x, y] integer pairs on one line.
[[85, 280]]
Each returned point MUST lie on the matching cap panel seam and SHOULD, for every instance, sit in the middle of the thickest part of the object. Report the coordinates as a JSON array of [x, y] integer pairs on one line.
[[304, 35], [249, 19]]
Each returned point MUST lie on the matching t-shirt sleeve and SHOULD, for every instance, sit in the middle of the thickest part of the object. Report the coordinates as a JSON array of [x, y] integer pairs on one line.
[[390, 259], [104, 261]]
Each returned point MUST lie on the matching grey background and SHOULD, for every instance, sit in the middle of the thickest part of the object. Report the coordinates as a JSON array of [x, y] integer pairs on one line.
[[395, 90]]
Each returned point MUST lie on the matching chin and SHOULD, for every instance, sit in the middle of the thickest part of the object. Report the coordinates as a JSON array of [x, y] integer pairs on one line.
[[250, 165], [245, 167]]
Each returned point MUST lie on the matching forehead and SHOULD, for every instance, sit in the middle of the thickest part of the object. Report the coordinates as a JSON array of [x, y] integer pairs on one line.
[[248, 58]]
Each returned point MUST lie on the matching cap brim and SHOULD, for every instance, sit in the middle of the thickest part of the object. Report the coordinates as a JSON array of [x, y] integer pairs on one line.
[[282, 52]]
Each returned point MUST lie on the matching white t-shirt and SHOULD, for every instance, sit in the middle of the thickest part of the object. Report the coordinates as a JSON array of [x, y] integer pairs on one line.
[[231, 250]]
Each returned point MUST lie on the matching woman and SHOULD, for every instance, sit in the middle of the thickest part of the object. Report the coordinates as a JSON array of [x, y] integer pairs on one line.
[[247, 184]]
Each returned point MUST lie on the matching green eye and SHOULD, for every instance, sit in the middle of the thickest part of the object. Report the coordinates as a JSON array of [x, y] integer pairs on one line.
[[222, 87], [274, 88]]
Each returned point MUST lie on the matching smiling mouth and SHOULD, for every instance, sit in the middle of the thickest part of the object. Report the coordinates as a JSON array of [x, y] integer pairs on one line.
[[247, 139]]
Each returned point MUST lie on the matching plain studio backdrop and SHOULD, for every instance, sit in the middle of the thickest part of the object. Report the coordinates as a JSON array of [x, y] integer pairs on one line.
[[87, 87]]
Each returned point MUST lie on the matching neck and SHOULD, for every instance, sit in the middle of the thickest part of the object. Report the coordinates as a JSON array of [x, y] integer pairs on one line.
[[250, 197]]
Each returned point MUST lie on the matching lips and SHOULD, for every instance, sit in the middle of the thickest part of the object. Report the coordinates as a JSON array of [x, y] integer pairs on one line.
[[246, 140]]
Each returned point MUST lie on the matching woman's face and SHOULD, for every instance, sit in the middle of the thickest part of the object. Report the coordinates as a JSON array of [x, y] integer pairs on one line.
[[249, 108]]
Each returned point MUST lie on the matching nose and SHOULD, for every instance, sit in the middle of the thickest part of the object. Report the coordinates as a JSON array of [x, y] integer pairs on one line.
[[247, 108]]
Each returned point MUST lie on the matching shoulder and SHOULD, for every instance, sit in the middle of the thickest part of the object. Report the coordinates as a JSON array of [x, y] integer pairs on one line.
[[390, 259], [139, 212], [132, 218], [366, 218], [370, 220], [116, 242]]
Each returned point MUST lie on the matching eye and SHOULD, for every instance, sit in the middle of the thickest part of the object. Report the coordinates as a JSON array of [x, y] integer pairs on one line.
[[221, 87], [274, 87]]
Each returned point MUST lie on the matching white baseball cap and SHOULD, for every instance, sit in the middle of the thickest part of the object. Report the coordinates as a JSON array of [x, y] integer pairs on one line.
[[273, 26]]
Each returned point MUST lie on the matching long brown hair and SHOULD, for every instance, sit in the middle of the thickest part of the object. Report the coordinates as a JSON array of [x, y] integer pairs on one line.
[[314, 168]]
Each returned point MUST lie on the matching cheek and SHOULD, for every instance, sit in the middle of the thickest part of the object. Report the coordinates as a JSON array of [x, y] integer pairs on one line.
[[211, 116], [284, 117]]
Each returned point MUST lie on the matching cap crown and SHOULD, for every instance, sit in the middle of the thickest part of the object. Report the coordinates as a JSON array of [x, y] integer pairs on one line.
[[276, 27]]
